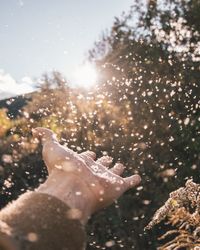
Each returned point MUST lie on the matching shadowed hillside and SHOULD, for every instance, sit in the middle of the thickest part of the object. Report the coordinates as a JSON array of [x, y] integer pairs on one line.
[[14, 105]]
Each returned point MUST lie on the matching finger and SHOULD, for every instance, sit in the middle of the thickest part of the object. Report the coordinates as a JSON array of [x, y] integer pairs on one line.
[[105, 161], [88, 153], [118, 169], [88, 157], [132, 181]]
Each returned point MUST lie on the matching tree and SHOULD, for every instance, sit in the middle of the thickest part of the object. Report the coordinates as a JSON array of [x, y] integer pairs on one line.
[[152, 63]]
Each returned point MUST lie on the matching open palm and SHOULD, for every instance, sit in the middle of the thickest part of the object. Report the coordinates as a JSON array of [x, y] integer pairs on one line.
[[90, 179]]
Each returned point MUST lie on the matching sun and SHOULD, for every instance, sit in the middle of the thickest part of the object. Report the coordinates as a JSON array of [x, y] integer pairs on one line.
[[85, 76]]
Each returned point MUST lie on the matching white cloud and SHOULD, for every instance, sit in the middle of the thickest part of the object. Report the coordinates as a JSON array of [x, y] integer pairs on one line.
[[27, 80], [10, 87]]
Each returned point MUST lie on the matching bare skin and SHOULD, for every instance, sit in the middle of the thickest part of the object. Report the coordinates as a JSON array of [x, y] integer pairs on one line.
[[83, 183]]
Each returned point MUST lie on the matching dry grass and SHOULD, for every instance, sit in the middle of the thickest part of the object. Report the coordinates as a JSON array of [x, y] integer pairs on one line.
[[182, 212]]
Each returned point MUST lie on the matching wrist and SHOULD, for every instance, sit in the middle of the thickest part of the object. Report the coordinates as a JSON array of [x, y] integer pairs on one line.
[[73, 192]]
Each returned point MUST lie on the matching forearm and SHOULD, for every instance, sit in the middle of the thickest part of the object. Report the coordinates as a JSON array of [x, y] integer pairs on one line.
[[41, 221]]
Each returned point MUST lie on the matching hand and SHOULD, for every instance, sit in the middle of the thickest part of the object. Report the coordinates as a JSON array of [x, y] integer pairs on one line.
[[87, 185], [84, 184]]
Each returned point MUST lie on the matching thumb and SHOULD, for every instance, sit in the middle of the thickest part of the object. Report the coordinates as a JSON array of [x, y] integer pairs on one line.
[[132, 181]]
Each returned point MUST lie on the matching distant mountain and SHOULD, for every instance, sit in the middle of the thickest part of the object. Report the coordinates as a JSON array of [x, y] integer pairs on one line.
[[6, 95], [15, 104]]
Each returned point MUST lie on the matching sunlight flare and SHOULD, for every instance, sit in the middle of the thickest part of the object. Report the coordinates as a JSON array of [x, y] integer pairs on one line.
[[85, 76]]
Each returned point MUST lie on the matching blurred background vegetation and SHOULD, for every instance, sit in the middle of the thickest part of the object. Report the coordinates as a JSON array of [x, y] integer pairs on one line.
[[144, 112]]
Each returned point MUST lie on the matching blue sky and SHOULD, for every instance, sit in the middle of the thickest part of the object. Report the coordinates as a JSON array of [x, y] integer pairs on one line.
[[37, 36]]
